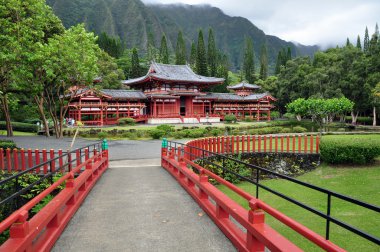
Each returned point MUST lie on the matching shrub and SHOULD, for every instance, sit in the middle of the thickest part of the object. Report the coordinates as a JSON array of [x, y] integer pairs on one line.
[[286, 130], [349, 149], [299, 129], [7, 144], [230, 118], [18, 126], [275, 114], [289, 116], [361, 120], [157, 133], [166, 128], [102, 135], [126, 121]]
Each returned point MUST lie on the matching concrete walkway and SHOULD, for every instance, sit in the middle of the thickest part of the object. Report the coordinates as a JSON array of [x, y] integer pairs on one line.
[[138, 206]]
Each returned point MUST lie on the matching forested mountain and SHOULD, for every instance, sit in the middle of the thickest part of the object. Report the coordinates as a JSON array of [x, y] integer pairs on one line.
[[132, 21]]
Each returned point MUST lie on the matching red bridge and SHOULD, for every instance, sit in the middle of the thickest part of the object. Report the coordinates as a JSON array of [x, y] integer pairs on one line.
[[131, 223]]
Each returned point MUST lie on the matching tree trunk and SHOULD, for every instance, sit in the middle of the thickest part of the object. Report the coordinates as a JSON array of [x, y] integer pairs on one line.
[[40, 105], [298, 118], [354, 117], [5, 108], [374, 116]]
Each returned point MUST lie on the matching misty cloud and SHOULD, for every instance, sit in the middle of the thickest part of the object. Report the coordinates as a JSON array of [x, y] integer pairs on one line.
[[323, 22]]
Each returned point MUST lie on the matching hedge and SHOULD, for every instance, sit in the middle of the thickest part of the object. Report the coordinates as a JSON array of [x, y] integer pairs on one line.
[[7, 144], [350, 149], [19, 126]]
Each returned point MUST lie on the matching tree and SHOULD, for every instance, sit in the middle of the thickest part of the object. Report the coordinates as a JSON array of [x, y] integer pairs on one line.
[[135, 64], [366, 41], [71, 61], [376, 95], [164, 53], [263, 62], [112, 45], [24, 26], [358, 43], [152, 51], [109, 72], [211, 53], [249, 61], [193, 55], [348, 43], [201, 60], [180, 50]]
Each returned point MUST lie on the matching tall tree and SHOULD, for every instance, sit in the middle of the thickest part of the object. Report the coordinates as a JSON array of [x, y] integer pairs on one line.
[[348, 43], [109, 72], [358, 43], [164, 53], [211, 53], [249, 61], [24, 26], [279, 62], [180, 50], [263, 62], [135, 64], [111, 45], [152, 51], [366, 41], [193, 55], [201, 60]]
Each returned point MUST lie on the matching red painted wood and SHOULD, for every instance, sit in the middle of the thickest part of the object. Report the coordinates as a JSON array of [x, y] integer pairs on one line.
[[265, 143], [52, 164], [23, 163], [232, 144], [270, 144], [299, 143], [237, 144], [259, 144], [2, 167], [78, 157], [218, 143], [282, 143], [287, 144], [44, 159], [294, 143], [15, 160], [37, 159], [30, 158], [317, 144], [305, 143], [248, 143], [311, 144], [60, 161], [223, 143], [242, 143], [276, 144], [254, 144]]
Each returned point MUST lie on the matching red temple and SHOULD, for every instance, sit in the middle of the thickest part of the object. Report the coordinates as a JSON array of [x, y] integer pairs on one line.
[[170, 94]]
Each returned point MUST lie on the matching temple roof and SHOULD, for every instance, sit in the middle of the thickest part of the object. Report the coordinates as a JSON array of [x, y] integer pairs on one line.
[[244, 85], [123, 94], [234, 97], [177, 73]]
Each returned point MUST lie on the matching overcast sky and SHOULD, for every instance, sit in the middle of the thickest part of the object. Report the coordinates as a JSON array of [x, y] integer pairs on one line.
[[322, 22]]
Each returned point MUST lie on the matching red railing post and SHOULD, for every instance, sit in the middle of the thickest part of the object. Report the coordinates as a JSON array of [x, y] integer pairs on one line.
[[282, 143], [214, 144], [23, 164], [44, 159], [20, 228], [265, 143], [253, 143], [30, 158], [232, 144], [86, 154], [248, 143], [78, 157], [223, 143], [294, 143], [9, 161], [255, 216], [259, 144], [305, 143], [52, 163], [218, 144], [287, 143], [276, 144], [37, 158], [242, 143], [69, 165], [2, 159], [270, 143], [15, 159], [237, 144]]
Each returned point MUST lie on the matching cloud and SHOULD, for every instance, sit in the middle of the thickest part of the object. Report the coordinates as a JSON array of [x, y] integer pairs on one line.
[[323, 22]]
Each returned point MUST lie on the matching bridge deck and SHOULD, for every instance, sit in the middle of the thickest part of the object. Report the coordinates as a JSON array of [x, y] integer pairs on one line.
[[137, 207]]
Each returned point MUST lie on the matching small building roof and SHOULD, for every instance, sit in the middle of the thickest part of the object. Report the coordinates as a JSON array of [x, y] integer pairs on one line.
[[244, 85], [123, 94], [175, 73]]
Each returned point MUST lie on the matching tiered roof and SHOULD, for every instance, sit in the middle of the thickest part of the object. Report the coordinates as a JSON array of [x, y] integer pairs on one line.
[[244, 85], [234, 97], [173, 73]]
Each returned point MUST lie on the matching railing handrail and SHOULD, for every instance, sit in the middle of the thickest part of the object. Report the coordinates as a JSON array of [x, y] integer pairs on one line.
[[205, 154]]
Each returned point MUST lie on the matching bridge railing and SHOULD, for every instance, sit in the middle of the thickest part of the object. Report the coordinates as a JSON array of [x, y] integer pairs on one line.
[[40, 232], [203, 149]]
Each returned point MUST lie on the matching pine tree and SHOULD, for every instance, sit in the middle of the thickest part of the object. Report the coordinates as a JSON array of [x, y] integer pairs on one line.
[[164, 53], [278, 62], [264, 62], [151, 48], [135, 64], [288, 55], [366, 41], [249, 63], [358, 43], [180, 50], [211, 53], [201, 62], [193, 55], [348, 43]]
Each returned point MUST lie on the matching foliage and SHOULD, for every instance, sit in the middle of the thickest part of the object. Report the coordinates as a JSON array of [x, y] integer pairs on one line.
[[360, 119], [275, 114], [299, 129], [166, 128], [263, 62], [135, 65], [109, 72], [157, 133], [211, 53], [180, 50], [249, 61], [164, 53], [230, 118], [19, 126], [126, 121], [7, 144], [201, 59], [350, 149], [42, 204], [113, 46], [102, 135]]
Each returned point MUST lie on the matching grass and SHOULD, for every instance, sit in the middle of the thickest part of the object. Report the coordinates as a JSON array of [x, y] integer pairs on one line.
[[358, 182], [17, 133]]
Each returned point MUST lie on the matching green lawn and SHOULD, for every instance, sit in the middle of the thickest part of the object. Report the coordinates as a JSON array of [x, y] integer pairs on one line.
[[17, 133], [360, 183]]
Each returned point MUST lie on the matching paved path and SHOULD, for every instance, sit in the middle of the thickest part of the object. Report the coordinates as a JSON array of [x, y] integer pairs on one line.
[[135, 206]]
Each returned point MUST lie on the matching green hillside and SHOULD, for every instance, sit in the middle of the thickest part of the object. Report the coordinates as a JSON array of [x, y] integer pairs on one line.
[[132, 20]]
